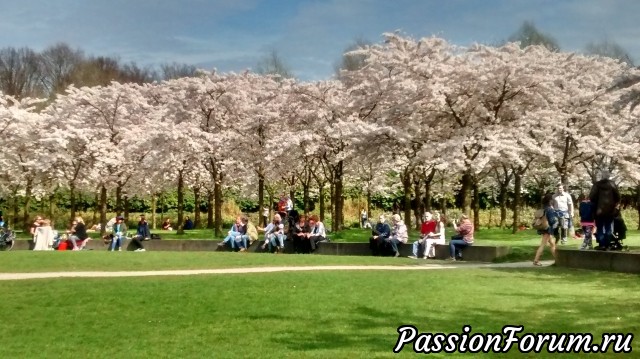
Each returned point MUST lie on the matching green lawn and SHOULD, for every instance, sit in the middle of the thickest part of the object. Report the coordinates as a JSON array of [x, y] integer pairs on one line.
[[304, 315], [30, 261]]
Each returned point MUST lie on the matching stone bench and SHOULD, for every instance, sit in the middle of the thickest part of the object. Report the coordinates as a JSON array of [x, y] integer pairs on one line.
[[473, 253], [614, 261]]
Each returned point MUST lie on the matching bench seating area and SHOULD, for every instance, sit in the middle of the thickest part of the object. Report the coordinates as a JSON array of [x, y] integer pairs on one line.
[[624, 262], [474, 253]]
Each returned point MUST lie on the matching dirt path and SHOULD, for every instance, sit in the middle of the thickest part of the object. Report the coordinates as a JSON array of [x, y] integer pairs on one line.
[[243, 270]]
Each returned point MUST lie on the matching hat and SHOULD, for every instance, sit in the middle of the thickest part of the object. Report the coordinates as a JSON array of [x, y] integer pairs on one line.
[[120, 218]]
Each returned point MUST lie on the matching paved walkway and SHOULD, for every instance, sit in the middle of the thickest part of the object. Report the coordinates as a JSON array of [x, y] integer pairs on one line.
[[242, 270]]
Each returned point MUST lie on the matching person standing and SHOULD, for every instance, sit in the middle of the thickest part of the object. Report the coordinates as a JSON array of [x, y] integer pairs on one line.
[[605, 198], [363, 217], [552, 220], [563, 205], [265, 216]]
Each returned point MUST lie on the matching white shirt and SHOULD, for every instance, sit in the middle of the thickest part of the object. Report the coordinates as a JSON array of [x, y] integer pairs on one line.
[[319, 230], [563, 202], [289, 205]]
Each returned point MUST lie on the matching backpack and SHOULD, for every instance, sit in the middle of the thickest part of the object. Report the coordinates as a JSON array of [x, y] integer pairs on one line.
[[540, 221]]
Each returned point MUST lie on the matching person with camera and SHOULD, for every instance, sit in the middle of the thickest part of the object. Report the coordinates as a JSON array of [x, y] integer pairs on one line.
[[463, 239]]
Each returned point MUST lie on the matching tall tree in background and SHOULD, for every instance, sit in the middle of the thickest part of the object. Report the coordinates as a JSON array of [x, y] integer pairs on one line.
[[273, 64], [175, 70], [352, 61], [528, 35], [609, 48], [59, 63], [20, 74]]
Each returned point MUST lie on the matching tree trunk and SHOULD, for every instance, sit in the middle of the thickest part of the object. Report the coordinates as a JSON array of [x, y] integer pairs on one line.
[[52, 199], [638, 203], [260, 191], [103, 210], [119, 200], [426, 200], [196, 198], [154, 200], [476, 206], [72, 202], [419, 210], [332, 197], [217, 191], [210, 223], [321, 200], [27, 202], [517, 181], [180, 224], [125, 201], [16, 209], [406, 187], [465, 191], [338, 220], [96, 208], [502, 199]]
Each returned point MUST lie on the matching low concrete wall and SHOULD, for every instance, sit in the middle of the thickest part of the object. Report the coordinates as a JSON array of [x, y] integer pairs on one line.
[[625, 262], [473, 253]]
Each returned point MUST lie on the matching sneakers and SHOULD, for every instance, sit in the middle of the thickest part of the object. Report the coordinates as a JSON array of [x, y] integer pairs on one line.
[[243, 249], [451, 259], [413, 257], [140, 250], [537, 264], [397, 254]]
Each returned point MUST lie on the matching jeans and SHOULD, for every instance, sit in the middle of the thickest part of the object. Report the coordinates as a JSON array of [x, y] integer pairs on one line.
[[456, 246], [74, 240], [394, 244], [563, 225], [272, 238], [117, 240], [604, 231], [230, 238], [416, 246], [241, 242], [587, 242]]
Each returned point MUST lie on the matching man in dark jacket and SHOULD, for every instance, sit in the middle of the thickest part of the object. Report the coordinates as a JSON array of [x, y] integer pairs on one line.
[[142, 234], [605, 198], [380, 233]]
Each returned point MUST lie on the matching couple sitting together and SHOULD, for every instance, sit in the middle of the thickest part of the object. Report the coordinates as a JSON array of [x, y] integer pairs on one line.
[[242, 234], [432, 233]]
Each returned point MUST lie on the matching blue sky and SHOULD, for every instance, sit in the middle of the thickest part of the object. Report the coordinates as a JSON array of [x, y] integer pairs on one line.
[[309, 35]]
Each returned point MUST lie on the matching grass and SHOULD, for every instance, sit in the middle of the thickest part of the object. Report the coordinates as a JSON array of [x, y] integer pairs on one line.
[[29, 261], [304, 315]]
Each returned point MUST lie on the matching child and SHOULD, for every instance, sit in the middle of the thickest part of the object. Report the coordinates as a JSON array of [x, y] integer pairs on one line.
[[587, 223]]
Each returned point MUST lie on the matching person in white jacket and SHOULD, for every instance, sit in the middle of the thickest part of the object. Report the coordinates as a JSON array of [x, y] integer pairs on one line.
[[43, 237], [399, 234], [438, 237]]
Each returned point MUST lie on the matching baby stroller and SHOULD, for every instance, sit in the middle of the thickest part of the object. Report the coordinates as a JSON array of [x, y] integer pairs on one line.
[[7, 239], [619, 234]]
